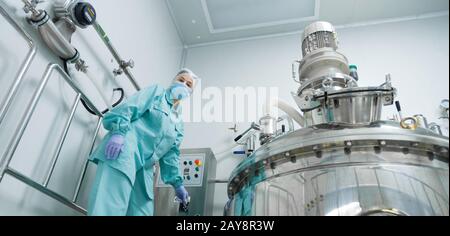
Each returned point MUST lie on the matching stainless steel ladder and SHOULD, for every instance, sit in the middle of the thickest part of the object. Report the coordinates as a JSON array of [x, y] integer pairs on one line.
[[5, 160]]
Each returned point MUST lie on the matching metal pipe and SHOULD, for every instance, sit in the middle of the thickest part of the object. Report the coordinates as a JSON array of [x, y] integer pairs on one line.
[[12, 147], [24, 67], [289, 110], [254, 126], [62, 140], [57, 43], [78, 90], [123, 65], [289, 121], [45, 190], [83, 172]]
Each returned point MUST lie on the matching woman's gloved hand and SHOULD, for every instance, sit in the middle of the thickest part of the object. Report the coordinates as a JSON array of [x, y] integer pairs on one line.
[[182, 194], [114, 147]]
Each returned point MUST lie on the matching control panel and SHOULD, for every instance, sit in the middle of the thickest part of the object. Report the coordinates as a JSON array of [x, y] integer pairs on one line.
[[197, 166], [192, 169]]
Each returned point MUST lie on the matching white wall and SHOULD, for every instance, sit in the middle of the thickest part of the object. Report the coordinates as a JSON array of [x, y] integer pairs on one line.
[[416, 53], [143, 30]]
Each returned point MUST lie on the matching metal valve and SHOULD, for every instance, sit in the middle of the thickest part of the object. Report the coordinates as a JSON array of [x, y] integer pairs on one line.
[[30, 6], [124, 64]]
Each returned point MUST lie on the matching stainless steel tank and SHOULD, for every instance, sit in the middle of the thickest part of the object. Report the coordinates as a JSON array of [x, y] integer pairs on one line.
[[345, 161], [327, 92], [345, 170]]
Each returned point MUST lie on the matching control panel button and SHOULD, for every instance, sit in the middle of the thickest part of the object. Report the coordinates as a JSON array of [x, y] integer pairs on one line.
[[198, 162]]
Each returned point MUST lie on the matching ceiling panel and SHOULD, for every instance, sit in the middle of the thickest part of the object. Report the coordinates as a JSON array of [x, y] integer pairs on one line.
[[229, 15], [205, 21]]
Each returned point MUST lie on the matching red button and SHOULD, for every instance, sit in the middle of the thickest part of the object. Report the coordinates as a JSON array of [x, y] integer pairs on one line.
[[198, 162]]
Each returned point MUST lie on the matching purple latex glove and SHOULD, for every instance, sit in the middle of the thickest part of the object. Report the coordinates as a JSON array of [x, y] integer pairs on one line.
[[182, 195], [114, 147]]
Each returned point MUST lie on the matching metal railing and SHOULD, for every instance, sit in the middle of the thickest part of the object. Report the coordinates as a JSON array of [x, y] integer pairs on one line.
[[12, 147], [23, 68], [7, 157]]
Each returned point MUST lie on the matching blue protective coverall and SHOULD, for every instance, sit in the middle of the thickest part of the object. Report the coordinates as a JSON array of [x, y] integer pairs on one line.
[[153, 131]]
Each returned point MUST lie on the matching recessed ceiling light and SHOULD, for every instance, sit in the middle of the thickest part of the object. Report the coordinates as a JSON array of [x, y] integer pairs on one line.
[[194, 22]]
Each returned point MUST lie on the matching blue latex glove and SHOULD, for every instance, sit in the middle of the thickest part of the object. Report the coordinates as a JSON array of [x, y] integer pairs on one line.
[[182, 194], [114, 147]]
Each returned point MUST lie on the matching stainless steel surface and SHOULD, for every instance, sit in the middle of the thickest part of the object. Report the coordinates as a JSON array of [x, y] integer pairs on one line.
[[422, 121], [86, 164], [267, 125], [289, 121], [45, 190], [436, 128], [125, 66], [323, 62], [201, 193], [12, 91], [354, 107], [30, 6], [62, 140], [320, 56], [319, 26], [251, 144], [328, 94], [66, 8], [319, 35], [332, 82], [342, 169], [66, 27], [56, 41]]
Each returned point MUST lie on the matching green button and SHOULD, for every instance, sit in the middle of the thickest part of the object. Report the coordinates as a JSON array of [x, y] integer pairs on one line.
[[197, 169]]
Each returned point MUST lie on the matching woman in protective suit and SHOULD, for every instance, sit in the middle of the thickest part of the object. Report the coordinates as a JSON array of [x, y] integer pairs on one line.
[[144, 130]]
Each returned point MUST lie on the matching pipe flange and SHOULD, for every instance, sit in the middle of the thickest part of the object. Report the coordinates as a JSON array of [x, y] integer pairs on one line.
[[75, 58], [40, 19]]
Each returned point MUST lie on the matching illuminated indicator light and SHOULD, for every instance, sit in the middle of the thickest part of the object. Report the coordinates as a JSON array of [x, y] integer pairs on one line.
[[198, 162]]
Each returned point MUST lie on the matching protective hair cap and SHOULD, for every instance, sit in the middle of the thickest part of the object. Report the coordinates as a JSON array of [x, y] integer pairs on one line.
[[195, 78]]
